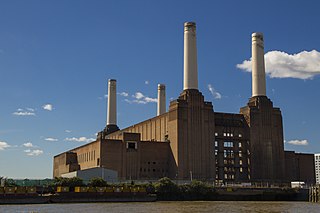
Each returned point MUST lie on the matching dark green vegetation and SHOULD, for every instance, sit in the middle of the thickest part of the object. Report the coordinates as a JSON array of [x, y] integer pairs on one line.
[[166, 189]]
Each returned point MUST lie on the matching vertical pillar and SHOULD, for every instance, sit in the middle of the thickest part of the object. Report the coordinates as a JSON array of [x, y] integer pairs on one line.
[[161, 99], [190, 57], [258, 67]]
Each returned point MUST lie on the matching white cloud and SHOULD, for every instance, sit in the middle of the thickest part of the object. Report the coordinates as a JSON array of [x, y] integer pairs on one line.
[[80, 139], [35, 152], [139, 98], [138, 95], [303, 65], [48, 107], [67, 131], [214, 93], [151, 100], [25, 112], [4, 145], [146, 82], [124, 94], [298, 142], [51, 139], [28, 144]]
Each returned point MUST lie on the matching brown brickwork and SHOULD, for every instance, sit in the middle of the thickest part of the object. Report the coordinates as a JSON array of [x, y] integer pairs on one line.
[[266, 139]]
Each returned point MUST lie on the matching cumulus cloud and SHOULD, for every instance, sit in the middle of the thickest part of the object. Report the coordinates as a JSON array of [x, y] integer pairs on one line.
[[140, 98], [303, 65], [4, 145], [124, 94], [214, 93], [51, 139], [138, 95], [35, 152], [298, 142], [80, 139], [48, 107], [25, 112], [28, 144]]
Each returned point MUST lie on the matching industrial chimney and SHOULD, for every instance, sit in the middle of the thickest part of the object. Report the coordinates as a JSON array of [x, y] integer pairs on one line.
[[161, 99], [190, 57], [112, 107], [258, 69]]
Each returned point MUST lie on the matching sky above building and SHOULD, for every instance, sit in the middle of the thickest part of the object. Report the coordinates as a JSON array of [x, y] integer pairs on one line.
[[56, 58]]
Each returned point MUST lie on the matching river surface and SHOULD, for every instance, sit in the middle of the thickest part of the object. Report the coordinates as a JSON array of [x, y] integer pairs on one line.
[[167, 207]]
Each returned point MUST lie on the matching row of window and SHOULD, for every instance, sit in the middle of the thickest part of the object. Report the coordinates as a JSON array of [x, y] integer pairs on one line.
[[88, 156], [152, 170], [225, 134], [229, 176], [228, 144]]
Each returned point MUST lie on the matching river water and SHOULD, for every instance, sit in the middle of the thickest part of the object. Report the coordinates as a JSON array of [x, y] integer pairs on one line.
[[167, 207]]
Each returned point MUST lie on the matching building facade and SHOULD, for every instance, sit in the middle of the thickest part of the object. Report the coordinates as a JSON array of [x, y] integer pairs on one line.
[[191, 140], [317, 167]]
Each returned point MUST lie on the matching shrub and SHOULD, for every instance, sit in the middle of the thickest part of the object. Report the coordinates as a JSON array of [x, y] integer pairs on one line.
[[97, 182]]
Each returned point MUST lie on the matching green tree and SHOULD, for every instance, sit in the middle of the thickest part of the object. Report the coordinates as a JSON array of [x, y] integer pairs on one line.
[[97, 181], [70, 182], [199, 190], [9, 182], [166, 189]]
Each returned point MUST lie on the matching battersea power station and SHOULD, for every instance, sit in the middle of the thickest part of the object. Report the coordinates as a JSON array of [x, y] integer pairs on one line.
[[191, 140]]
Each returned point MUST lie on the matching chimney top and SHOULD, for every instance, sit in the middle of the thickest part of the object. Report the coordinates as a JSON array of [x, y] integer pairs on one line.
[[161, 86], [189, 26], [258, 35]]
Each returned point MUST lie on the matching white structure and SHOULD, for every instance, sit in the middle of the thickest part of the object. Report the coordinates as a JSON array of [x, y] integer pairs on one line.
[[317, 167], [86, 174], [112, 102], [190, 57], [161, 99], [258, 69]]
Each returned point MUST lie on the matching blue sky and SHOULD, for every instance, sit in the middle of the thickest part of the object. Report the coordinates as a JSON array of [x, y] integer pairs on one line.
[[56, 57]]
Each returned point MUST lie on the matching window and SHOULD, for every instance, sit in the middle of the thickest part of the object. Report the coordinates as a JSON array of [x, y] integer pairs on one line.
[[240, 153], [216, 143], [131, 145], [216, 134], [241, 169], [240, 145], [228, 144], [240, 162]]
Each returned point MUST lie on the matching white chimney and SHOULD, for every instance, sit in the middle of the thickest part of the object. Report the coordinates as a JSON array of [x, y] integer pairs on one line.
[[190, 57], [112, 102], [258, 69], [161, 99]]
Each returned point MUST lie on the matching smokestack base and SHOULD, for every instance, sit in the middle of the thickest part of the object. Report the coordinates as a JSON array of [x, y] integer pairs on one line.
[[110, 128]]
